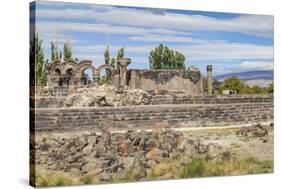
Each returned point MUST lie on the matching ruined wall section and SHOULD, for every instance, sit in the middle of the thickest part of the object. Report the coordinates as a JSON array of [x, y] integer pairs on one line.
[[185, 81]]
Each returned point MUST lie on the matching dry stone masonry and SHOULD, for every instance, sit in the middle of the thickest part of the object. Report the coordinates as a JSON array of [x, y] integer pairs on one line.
[[124, 155]]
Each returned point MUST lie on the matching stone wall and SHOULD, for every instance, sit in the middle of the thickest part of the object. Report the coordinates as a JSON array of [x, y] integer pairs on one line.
[[186, 81], [53, 102], [222, 99], [47, 102], [151, 116]]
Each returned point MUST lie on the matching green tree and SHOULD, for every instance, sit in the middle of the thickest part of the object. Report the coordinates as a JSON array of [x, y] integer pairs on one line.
[[54, 51], [246, 90], [105, 78], [156, 57], [106, 55], [257, 90], [234, 83], [120, 54], [179, 60], [162, 57], [112, 63], [67, 52], [217, 86], [270, 88], [38, 72]]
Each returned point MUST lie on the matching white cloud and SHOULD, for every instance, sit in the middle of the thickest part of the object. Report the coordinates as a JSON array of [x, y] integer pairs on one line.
[[226, 51], [48, 26], [259, 25], [257, 65], [170, 38]]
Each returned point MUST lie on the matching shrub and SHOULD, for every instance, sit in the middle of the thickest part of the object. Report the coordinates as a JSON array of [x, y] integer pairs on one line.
[[86, 179], [194, 169]]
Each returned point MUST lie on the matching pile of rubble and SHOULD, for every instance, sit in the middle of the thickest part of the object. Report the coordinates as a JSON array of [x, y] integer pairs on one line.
[[257, 130], [107, 95], [131, 154]]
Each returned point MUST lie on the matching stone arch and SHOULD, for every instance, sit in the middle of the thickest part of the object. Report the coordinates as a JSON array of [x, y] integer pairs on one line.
[[71, 61], [57, 76], [106, 67], [55, 66], [69, 76], [82, 66], [69, 65]]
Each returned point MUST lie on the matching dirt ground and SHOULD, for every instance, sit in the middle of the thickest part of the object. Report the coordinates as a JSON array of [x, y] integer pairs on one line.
[[261, 148]]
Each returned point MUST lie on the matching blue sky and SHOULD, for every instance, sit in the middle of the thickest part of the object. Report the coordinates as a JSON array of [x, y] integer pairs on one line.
[[230, 42]]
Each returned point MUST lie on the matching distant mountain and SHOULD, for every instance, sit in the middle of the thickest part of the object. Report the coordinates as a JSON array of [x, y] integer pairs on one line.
[[260, 78], [259, 82], [251, 75]]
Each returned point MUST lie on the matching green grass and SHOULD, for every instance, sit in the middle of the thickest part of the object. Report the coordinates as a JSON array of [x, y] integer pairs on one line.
[[198, 167], [86, 179], [194, 169], [44, 180]]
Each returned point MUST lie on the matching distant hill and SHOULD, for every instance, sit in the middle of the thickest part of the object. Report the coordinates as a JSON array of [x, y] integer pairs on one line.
[[260, 78]]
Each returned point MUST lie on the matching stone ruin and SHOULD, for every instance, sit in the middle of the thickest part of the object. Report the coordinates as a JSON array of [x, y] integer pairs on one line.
[[72, 74], [125, 87], [171, 97], [107, 95]]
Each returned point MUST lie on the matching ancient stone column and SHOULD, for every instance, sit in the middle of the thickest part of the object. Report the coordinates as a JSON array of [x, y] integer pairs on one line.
[[209, 78], [123, 63], [96, 78]]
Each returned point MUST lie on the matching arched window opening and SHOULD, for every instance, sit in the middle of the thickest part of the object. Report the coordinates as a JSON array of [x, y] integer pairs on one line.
[[87, 77]]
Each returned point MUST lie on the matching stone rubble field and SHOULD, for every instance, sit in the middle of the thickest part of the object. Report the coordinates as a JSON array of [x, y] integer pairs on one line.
[[142, 155]]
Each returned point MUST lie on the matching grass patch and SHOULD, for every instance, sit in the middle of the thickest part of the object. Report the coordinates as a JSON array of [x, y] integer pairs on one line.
[[86, 179], [200, 167], [197, 167], [45, 180]]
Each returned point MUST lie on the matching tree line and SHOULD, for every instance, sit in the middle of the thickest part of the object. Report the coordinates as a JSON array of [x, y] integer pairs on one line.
[[238, 85]]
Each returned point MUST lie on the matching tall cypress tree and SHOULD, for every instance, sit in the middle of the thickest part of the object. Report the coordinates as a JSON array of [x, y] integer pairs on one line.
[[37, 63], [53, 52], [120, 54], [112, 63], [107, 62], [67, 52]]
